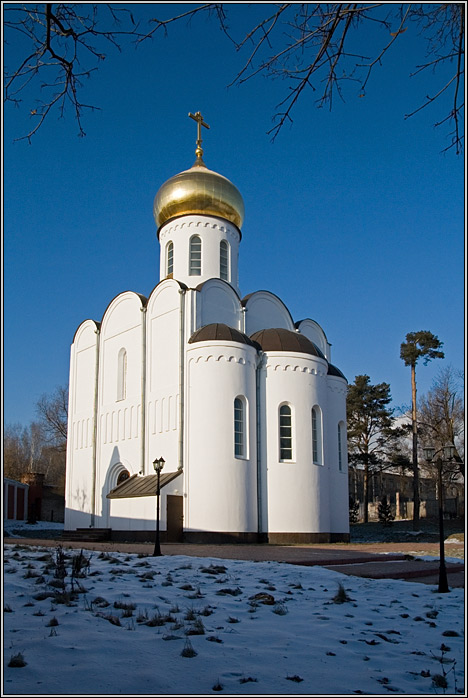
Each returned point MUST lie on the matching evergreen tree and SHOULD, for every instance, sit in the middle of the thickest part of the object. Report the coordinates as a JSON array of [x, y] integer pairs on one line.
[[353, 510], [427, 346], [371, 435], [385, 513]]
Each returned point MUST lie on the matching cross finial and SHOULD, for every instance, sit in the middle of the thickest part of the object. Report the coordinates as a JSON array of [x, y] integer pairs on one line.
[[199, 119]]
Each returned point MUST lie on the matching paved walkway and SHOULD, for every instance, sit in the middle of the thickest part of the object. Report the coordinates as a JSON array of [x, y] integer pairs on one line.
[[371, 560]]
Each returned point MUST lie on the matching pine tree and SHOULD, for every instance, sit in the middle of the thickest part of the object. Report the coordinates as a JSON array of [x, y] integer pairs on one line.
[[419, 345], [371, 433], [385, 513], [353, 510]]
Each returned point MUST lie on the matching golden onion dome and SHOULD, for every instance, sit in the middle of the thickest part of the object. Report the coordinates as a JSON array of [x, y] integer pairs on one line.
[[200, 191]]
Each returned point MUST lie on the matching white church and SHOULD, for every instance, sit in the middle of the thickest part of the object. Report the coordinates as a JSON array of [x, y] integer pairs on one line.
[[241, 402]]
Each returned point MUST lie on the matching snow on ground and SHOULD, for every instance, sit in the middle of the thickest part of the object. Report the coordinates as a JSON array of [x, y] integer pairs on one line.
[[30, 530], [170, 625]]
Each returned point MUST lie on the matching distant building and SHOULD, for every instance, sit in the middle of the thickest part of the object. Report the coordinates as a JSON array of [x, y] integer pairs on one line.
[[399, 492], [45, 502], [15, 500], [242, 402]]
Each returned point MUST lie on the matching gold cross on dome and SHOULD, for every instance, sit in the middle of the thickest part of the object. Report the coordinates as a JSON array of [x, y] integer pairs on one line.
[[199, 119]]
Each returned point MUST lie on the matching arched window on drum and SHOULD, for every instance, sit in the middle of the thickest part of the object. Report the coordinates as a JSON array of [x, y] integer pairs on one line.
[[224, 260], [170, 259], [195, 256]]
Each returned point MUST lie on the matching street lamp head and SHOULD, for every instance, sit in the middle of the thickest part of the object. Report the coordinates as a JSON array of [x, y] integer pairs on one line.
[[158, 464], [449, 452], [429, 453]]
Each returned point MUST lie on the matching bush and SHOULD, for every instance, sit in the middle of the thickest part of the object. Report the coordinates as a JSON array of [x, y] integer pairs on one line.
[[341, 596], [17, 660], [188, 650]]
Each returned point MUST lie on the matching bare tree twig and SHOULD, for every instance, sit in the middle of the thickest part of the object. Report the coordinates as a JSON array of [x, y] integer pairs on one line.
[[307, 45]]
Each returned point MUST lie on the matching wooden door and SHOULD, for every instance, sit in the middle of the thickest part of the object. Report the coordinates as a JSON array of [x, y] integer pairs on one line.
[[175, 518]]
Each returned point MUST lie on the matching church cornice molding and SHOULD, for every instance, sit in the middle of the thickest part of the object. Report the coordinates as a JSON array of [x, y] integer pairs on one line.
[[296, 368], [336, 390], [171, 227], [227, 357], [336, 386]]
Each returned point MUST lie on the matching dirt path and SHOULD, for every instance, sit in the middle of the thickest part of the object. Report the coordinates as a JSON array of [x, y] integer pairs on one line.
[[287, 553]]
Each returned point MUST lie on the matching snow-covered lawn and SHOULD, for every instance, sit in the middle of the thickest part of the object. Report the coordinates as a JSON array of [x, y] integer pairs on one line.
[[142, 625], [22, 529]]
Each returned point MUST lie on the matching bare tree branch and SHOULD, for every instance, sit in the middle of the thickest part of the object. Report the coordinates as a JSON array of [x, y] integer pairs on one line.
[[162, 23], [52, 411], [62, 38], [308, 45]]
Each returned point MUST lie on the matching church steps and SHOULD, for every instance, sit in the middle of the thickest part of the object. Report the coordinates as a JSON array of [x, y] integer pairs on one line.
[[89, 535]]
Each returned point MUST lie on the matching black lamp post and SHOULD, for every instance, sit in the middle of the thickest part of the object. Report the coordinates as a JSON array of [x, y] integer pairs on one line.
[[449, 453], [158, 465]]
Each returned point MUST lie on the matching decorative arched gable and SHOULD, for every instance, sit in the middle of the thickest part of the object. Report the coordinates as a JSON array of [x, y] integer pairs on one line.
[[264, 310], [121, 336], [217, 301], [314, 332], [164, 334], [83, 370]]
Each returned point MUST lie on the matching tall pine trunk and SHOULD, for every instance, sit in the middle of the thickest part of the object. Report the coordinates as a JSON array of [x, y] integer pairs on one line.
[[366, 488], [414, 418]]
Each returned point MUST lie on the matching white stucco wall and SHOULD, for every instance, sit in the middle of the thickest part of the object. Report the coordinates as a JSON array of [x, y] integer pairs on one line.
[[82, 382], [165, 317], [338, 493], [296, 490], [119, 432], [221, 487]]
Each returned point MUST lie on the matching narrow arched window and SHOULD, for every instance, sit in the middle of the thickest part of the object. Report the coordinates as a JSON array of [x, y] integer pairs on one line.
[[239, 428], [224, 260], [170, 259], [316, 435], [195, 256], [286, 432], [340, 445], [122, 375]]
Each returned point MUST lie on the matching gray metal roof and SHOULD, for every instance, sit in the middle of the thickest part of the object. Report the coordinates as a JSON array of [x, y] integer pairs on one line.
[[334, 371], [137, 486], [280, 339], [218, 331]]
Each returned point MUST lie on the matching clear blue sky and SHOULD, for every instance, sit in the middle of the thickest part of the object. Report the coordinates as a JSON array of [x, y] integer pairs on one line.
[[353, 217]]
